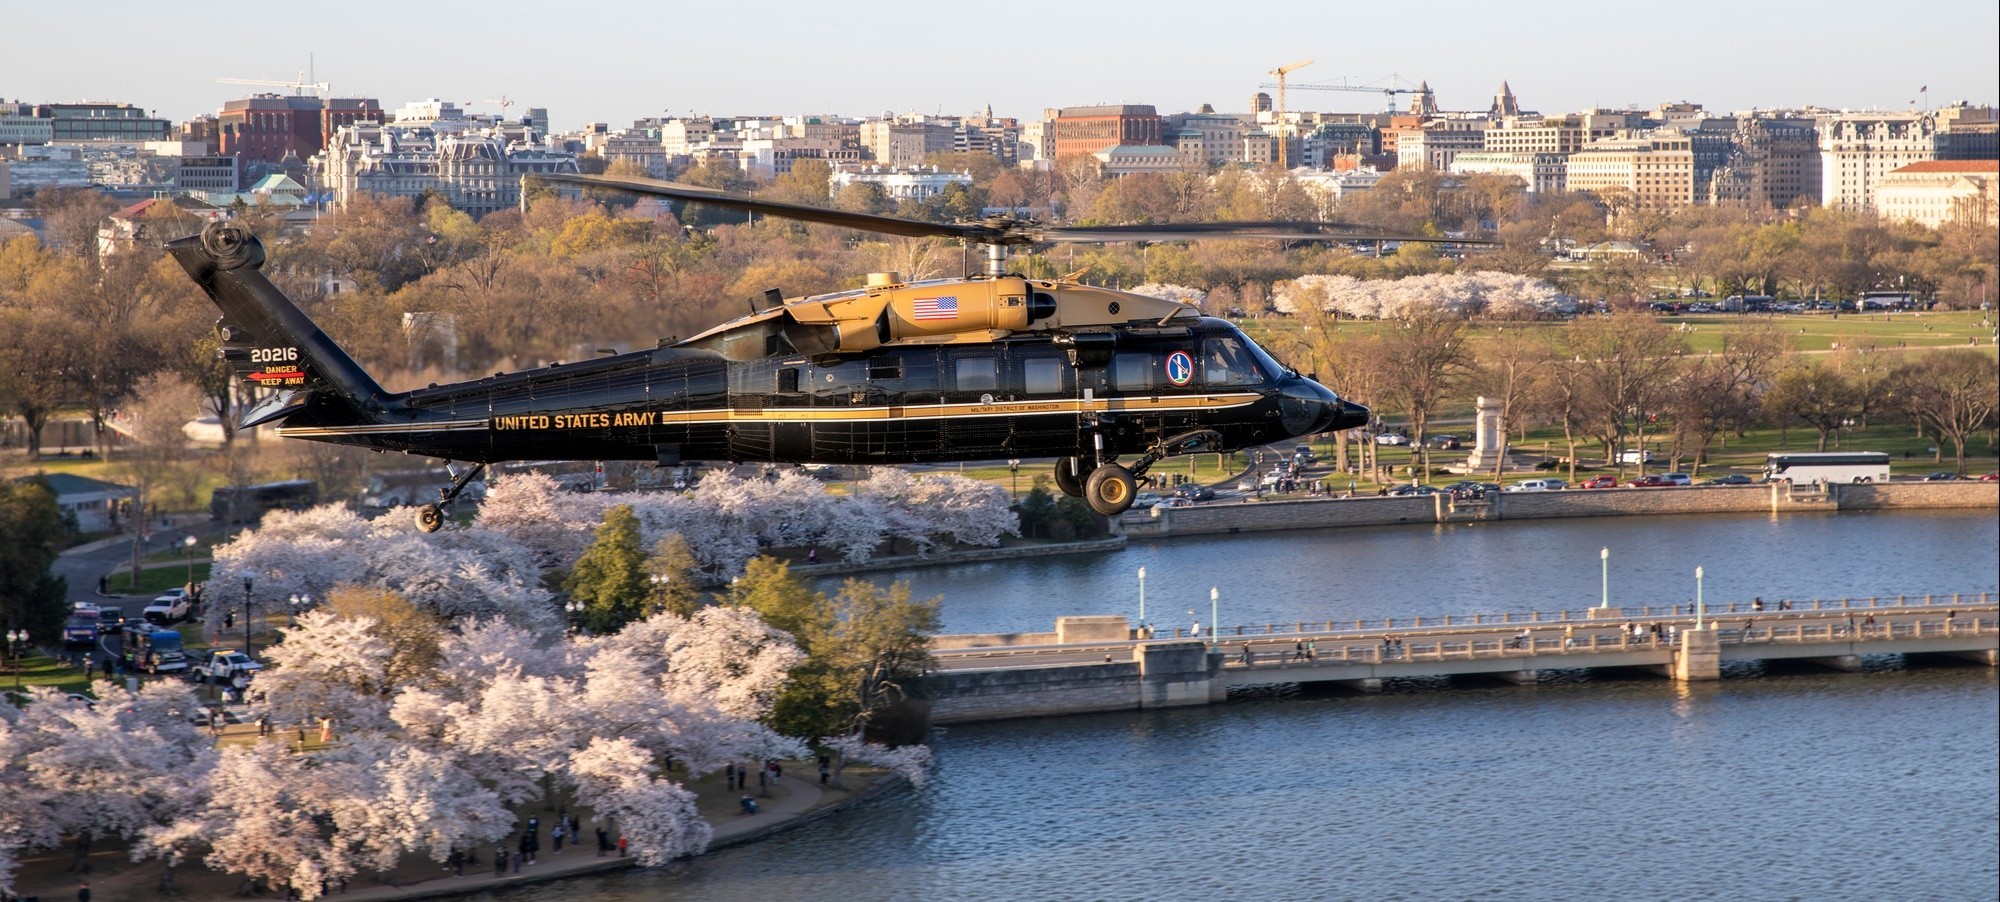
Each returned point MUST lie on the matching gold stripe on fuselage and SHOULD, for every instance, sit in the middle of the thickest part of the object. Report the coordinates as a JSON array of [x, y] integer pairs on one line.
[[1068, 406]]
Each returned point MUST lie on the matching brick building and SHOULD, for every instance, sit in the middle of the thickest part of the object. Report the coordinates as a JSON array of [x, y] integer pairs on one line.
[[1090, 129], [265, 127]]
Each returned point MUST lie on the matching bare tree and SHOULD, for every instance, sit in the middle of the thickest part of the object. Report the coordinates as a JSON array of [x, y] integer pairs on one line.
[[1509, 365], [1623, 363], [1423, 360], [1955, 392], [1815, 394]]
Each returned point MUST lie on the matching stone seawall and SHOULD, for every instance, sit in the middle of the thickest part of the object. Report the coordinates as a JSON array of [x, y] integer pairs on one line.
[[1376, 511], [969, 697], [958, 556]]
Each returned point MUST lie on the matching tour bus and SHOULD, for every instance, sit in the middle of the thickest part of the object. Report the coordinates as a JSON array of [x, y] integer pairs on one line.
[[1798, 469], [246, 504]]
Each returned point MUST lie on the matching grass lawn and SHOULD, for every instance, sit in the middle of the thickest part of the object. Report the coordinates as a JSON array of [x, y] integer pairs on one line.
[[155, 580], [1808, 331], [42, 670]]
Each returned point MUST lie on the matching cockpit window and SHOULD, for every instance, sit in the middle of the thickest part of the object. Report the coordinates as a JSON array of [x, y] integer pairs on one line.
[[1229, 361]]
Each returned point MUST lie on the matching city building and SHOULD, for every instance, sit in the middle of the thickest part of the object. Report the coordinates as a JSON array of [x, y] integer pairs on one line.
[[1939, 192], [1440, 141], [899, 184], [1540, 173], [1657, 171], [679, 137], [134, 223], [92, 504], [1131, 159], [1858, 149], [208, 172], [1772, 163], [264, 128], [20, 125], [1337, 185], [1089, 129], [477, 171], [91, 121]]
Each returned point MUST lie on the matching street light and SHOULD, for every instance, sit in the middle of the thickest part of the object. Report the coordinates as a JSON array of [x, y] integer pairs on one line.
[[1700, 607], [247, 578], [189, 544], [1014, 469], [574, 610], [1142, 599], [16, 639], [1214, 620], [1604, 554], [299, 603]]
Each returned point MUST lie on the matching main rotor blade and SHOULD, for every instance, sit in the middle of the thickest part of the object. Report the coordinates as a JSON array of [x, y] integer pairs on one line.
[[891, 225], [1256, 231]]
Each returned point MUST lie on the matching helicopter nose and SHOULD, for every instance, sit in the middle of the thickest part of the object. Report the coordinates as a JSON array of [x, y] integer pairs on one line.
[[1307, 408]]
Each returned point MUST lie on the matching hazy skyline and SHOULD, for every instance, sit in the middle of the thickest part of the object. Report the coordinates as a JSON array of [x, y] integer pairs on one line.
[[626, 59]]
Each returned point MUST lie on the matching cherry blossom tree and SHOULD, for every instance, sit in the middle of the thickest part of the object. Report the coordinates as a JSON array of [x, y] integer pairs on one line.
[[911, 762]]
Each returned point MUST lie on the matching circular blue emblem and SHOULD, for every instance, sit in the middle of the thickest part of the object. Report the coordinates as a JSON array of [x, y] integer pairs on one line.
[[1180, 368]]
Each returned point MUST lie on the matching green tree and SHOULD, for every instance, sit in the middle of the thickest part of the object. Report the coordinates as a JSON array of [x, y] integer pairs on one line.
[[610, 577], [867, 648], [674, 561], [31, 597]]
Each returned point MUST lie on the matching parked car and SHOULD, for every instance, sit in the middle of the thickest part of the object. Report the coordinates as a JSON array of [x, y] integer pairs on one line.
[[1677, 478], [1407, 489], [1147, 499], [110, 620], [1391, 438], [1193, 492], [1246, 486], [223, 664], [1654, 481], [1538, 485], [1443, 442], [1599, 482], [1942, 476], [1991, 477], [167, 607], [1171, 503], [1636, 457], [1731, 479]]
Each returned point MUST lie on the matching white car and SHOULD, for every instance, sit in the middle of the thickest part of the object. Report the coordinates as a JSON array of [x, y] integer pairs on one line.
[[1538, 485], [1391, 438]]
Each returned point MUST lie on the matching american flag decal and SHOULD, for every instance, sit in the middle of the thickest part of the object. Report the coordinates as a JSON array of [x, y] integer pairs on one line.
[[935, 308]]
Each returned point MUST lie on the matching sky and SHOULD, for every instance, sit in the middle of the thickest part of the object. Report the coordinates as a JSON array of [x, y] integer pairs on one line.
[[620, 60]]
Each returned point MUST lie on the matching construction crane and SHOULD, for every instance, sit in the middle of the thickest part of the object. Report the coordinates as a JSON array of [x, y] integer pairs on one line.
[[503, 102], [298, 84], [1278, 120], [1387, 85]]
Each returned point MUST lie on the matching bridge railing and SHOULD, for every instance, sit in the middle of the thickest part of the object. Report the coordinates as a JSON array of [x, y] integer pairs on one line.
[[1392, 650], [1754, 608]]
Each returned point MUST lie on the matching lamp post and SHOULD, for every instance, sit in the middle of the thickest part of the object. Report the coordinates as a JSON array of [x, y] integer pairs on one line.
[[1604, 555], [299, 603], [1142, 600], [16, 639], [1214, 620], [1700, 606], [1014, 469], [574, 610], [247, 578], [189, 543]]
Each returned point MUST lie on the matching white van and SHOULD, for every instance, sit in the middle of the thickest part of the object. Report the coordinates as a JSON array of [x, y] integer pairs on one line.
[[1538, 485], [1635, 457]]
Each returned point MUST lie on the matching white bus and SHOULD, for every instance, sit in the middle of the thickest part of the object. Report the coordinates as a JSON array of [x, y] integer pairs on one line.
[[1859, 466]]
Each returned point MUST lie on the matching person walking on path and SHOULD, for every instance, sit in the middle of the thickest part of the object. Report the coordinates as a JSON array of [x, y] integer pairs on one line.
[[603, 843], [456, 862], [83, 889], [621, 847], [499, 861], [556, 836]]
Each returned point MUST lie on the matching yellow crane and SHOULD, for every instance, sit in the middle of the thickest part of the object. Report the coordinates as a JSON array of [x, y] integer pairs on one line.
[[1278, 120]]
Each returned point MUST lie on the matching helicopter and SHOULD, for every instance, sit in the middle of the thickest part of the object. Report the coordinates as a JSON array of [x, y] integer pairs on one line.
[[990, 366]]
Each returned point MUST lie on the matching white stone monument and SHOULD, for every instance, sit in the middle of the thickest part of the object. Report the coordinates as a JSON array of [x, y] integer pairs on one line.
[[1489, 437]]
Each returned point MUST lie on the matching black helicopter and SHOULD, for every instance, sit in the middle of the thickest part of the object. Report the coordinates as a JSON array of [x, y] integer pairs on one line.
[[988, 367]]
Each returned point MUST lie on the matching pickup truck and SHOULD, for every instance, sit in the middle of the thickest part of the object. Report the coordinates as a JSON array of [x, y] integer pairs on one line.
[[167, 607], [223, 665]]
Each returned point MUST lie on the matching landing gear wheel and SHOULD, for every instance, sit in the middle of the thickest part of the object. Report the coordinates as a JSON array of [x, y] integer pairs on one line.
[[1071, 482], [430, 518], [1110, 490]]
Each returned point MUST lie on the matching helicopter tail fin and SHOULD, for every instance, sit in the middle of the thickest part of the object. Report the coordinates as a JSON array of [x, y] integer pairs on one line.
[[266, 339]]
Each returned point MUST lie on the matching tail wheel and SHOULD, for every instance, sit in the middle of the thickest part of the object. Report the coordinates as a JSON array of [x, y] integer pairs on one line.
[[430, 518], [1071, 475], [1110, 490]]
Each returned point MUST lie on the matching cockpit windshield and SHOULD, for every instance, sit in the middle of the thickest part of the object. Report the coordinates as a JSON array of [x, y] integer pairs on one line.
[[1235, 360]]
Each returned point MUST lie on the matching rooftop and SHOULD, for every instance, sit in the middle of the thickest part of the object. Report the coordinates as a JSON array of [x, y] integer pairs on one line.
[[1952, 166]]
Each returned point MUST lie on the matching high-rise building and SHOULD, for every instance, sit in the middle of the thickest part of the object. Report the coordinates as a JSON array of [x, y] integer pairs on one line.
[[1772, 163], [1657, 171], [1858, 149]]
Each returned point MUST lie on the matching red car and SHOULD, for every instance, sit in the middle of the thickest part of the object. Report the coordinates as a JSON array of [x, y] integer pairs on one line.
[[1599, 482], [1991, 477], [1649, 482]]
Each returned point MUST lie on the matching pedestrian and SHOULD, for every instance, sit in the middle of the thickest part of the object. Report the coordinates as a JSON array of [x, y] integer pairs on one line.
[[556, 837], [83, 888], [748, 804], [825, 770], [534, 824], [1569, 636], [499, 861], [517, 862], [1312, 650], [456, 861], [1249, 658], [1298, 651], [325, 730], [263, 724], [621, 846], [229, 620], [603, 843], [1757, 604], [729, 776], [764, 783], [812, 555]]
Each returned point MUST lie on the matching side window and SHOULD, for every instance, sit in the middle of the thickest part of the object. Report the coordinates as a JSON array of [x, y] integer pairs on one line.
[[788, 380], [976, 374], [1132, 372], [1225, 362], [885, 368], [1042, 375]]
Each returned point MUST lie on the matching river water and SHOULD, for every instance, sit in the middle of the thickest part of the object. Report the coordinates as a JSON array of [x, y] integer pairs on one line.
[[1787, 784]]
